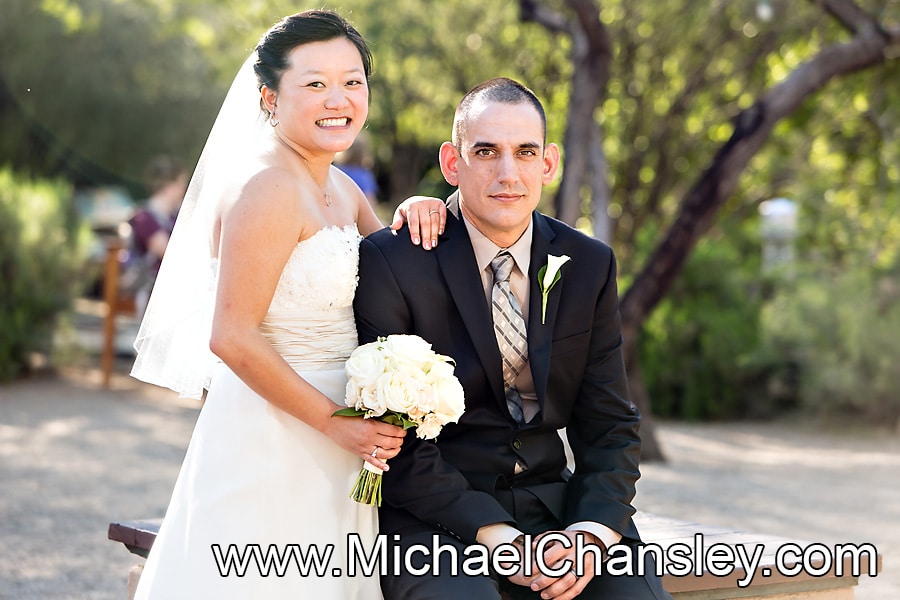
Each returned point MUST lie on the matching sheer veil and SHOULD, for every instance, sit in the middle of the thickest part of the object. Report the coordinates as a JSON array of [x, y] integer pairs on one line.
[[173, 341]]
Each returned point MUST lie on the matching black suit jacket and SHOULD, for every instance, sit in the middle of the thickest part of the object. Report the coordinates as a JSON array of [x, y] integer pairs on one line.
[[576, 364]]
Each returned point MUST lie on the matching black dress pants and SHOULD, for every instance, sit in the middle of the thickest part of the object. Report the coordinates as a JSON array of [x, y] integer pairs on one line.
[[430, 557]]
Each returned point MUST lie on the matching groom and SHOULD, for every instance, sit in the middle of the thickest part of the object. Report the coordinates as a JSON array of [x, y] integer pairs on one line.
[[528, 370]]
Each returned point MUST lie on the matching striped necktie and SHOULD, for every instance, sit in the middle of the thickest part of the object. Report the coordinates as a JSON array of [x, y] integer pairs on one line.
[[509, 328]]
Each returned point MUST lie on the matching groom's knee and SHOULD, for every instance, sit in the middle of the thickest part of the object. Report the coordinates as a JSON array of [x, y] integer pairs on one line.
[[429, 564]]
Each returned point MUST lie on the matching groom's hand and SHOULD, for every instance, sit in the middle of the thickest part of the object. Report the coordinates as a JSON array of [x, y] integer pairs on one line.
[[520, 578], [557, 555]]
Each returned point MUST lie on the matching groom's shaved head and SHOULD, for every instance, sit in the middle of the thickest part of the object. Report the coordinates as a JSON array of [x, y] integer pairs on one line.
[[499, 89]]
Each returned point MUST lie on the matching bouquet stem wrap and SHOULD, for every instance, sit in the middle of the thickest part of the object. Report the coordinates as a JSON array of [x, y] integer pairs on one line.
[[367, 489]]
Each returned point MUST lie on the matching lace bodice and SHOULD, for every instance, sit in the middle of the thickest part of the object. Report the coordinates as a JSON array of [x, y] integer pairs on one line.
[[310, 320], [321, 272]]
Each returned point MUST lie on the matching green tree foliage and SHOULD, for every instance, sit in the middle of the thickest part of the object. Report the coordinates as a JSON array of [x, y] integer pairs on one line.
[[675, 90], [839, 326], [42, 252], [93, 88], [837, 143], [699, 349]]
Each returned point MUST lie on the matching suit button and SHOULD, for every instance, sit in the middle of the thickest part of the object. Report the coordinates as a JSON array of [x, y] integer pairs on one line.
[[517, 444]]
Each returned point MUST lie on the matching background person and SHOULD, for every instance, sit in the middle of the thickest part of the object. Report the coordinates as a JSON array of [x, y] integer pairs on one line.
[[152, 225], [357, 162]]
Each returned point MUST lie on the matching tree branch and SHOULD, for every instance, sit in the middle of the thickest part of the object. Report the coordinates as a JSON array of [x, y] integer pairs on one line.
[[870, 46], [849, 15], [533, 12]]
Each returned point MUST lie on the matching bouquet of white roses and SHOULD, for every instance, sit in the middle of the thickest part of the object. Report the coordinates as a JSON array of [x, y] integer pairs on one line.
[[400, 380]]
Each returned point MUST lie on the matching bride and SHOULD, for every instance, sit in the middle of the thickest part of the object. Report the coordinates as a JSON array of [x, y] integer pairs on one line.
[[261, 270]]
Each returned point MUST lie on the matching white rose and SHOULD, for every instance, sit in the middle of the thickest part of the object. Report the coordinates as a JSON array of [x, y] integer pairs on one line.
[[351, 396], [372, 401], [416, 415], [451, 400], [365, 364], [426, 402], [429, 428], [440, 370], [407, 350], [398, 391]]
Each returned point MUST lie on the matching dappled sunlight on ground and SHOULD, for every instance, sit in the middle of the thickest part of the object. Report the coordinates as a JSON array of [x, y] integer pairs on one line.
[[784, 479], [72, 458]]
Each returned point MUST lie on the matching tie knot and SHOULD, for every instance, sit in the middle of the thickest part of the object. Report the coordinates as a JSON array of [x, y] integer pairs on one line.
[[502, 266]]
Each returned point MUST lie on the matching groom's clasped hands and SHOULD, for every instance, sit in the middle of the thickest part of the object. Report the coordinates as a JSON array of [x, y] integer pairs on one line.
[[555, 574]]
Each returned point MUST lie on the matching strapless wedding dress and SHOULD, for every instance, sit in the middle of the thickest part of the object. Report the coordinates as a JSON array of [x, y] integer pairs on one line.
[[256, 479]]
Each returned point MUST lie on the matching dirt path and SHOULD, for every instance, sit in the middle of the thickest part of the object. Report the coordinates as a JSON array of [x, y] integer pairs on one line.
[[74, 456], [784, 480]]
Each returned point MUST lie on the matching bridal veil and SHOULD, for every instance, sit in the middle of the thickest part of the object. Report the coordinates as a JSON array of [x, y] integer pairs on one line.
[[173, 340]]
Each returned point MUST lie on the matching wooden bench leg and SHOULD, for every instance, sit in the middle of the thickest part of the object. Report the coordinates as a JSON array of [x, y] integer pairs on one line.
[[134, 575], [111, 299]]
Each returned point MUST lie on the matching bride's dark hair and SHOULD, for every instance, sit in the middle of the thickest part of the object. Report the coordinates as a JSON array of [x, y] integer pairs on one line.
[[302, 28]]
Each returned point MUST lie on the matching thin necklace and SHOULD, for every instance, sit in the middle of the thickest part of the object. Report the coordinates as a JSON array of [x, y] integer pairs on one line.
[[322, 188]]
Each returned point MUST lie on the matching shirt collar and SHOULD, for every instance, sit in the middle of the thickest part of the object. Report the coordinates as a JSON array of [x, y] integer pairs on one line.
[[486, 250]]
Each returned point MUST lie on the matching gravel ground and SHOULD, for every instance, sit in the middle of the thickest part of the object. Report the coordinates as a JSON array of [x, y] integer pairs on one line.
[[74, 456], [788, 479]]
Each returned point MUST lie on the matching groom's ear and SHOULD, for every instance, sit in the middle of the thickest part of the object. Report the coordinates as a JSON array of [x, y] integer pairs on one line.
[[449, 156], [551, 163]]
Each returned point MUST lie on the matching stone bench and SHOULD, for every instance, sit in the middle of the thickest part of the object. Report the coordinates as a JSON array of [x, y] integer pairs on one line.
[[833, 583], [676, 537]]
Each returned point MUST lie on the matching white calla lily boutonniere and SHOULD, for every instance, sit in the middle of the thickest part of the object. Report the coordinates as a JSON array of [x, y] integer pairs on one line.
[[547, 278]]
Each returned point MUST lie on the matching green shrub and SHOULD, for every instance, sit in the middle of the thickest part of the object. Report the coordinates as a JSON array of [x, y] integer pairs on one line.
[[42, 250], [700, 351], [842, 330]]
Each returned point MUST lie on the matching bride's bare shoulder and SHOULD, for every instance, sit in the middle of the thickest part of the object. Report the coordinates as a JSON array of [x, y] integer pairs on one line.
[[259, 182]]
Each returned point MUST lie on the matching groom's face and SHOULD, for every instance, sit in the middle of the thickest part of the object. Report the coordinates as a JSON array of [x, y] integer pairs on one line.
[[500, 167]]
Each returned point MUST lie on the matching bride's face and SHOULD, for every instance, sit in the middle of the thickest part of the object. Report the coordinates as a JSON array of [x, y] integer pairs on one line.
[[323, 98]]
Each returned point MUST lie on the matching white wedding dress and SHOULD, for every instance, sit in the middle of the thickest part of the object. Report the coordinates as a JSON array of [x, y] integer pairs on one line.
[[254, 475]]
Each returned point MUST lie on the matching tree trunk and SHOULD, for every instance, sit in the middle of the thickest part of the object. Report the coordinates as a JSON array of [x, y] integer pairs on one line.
[[591, 55], [585, 161], [651, 450], [603, 228], [407, 162]]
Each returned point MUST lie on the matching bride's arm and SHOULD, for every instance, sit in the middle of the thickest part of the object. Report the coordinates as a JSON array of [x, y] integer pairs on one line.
[[259, 232]]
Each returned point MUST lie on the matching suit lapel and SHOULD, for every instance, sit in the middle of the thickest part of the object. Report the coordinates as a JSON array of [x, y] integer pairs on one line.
[[540, 335], [457, 261]]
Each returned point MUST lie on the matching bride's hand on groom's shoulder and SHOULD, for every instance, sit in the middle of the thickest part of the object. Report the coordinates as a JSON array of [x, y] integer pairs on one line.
[[372, 440], [426, 216]]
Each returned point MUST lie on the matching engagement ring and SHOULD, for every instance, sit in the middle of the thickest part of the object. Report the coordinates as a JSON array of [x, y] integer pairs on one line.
[[375, 452]]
